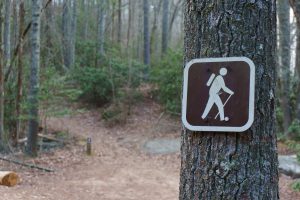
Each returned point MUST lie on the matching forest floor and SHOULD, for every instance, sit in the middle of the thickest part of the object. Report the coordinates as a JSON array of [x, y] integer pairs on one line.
[[119, 168]]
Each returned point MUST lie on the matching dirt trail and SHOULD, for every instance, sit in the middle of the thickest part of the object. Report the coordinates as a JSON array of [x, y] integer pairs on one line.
[[118, 168]]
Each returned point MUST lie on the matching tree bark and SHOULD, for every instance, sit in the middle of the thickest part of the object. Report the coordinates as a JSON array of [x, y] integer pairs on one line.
[[129, 25], [31, 148], [295, 4], [165, 27], [174, 15], [119, 21], [20, 71], [233, 165], [284, 61], [85, 5], [73, 33], [15, 31], [101, 27], [66, 30], [2, 142], [6, 37], [146, 37], [154, 38]]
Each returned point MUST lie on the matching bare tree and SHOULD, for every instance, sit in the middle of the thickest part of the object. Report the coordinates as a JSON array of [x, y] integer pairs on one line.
[[295, 4], [284, 60], [85, 6], [102, 5], [31, 148], [20, 70], [6, 37], [119, 20], [66, 32], [2, 143], [165, 26], [73, 33], [146, 36]]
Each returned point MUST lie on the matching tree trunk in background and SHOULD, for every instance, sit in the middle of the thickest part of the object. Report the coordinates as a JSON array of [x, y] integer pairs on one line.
[[233, 165], [101, 27], [20, 70], [284, 60], [295, 4], [31, 148], [2, 142], [6, 37], [14, 38], [146, 37], [85, 18], [113, 20], [66, 39], [140, 31], [165, 26], [73, 33], [174, 15], [119, 21], [298, 68], [129, 25], [154, 39]]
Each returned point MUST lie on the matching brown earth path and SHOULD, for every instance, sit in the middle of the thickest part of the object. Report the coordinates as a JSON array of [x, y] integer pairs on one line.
[[118, 168]]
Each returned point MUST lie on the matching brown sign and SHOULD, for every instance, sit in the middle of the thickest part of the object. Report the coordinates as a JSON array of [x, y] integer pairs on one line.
[[218, 94]]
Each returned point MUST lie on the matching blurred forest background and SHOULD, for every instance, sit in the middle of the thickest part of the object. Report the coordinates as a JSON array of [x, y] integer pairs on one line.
[[104, 53], [97, 51]]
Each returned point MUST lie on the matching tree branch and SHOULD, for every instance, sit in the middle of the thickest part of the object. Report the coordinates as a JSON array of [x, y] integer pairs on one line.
[[18, 45]]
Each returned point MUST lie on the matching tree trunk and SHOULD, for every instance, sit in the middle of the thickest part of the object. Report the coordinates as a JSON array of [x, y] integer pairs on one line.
[[165, 27], [129, 25], [66, 39], [174, 15], [73, 33], [146, 37], [233, 165], [85, 5], [113, 20], [154, 39], [6, 37], [119, 21], [20, 71], [101, 27], [298, 69], [284, 60], [2, 142], [31, 148], [296, 8], [14, 38]]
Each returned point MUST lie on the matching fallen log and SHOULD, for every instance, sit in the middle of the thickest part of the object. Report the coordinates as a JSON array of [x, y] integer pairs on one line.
[[20, 141], [26, 165], [8, 178]]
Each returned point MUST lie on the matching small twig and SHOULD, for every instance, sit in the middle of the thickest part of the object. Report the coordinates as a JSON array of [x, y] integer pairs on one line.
[[159, 118], [26, 165]]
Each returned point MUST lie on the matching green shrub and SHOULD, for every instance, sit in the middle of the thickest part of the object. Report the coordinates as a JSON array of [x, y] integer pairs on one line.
[[104, 83], [296, 186], [167, 76], [94, 83], [294, 129], [294, 146], [114, 114]]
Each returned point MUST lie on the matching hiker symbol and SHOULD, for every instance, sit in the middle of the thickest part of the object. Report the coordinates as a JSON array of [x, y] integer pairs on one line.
[[217, 84]]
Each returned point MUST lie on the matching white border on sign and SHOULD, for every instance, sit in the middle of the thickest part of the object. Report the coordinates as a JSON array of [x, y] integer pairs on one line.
[[251, 96]]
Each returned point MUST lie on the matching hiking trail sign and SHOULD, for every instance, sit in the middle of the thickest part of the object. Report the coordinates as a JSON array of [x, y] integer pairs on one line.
[[218, 94]]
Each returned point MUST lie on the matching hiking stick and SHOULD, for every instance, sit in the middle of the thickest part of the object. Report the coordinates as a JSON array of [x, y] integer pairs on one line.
[[223, 106]]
